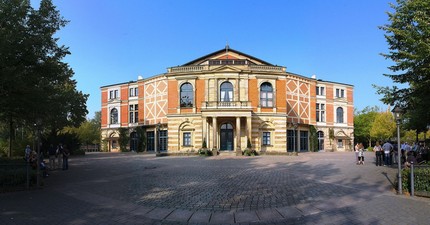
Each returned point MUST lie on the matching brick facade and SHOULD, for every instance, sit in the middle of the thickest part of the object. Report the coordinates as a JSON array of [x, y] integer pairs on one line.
[[226, 98]]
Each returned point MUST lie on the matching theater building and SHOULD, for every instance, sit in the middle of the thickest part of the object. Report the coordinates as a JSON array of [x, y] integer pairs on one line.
[[225, 99]]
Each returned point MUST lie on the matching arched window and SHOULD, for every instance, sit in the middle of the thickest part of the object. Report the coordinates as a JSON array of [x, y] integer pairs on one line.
[[339, 115], [114, 116], [187, 97], [226, 92], [266, 95]]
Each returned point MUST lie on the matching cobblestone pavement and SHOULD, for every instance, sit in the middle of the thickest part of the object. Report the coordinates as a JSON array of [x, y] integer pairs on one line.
[[312, 188]]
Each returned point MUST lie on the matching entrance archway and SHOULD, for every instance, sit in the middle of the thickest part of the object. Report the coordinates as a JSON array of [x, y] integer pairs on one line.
[[226, 137]]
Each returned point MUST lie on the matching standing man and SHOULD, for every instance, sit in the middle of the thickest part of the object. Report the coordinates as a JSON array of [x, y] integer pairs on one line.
[[378, 153], [387, 147], [59, 155], [27, 152], [66, 154]]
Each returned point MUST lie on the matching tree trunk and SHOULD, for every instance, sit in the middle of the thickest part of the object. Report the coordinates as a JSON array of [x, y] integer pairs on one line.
[[10, 136]]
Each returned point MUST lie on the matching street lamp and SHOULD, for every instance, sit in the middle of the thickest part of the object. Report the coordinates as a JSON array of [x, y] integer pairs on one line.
[[397, 112]]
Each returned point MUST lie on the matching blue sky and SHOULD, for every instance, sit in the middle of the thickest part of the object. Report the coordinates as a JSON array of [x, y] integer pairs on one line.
[[115, 41]]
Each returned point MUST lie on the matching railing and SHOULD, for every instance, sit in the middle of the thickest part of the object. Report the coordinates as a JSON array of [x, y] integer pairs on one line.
[[187, 69], [180, 69], [226, 105], [267, 68], [417, 176], [90, 148]]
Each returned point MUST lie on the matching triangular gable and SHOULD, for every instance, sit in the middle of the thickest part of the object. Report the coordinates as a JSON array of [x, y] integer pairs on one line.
[[227, 56], [226, 68], [227, 53]]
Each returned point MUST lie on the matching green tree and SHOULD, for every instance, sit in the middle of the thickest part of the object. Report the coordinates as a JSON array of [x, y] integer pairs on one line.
[[363, 121], [141, 133], [313, 139], [36, 86], [124, 139], [383, 127], [407, 35]]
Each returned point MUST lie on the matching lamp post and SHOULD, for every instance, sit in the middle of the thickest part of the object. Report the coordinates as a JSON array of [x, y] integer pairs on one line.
[[397, 112], [37, 126]]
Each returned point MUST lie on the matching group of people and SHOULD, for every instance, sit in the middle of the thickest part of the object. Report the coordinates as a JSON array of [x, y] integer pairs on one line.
[[58, 158], [387, 153]]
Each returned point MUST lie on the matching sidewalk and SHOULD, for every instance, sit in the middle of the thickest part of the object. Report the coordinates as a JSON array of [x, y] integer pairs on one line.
[[314, 188]]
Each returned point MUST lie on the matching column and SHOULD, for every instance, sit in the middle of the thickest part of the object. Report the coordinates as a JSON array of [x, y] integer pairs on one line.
[[204, 125], [249, 128], [238, 144], [215, 133]]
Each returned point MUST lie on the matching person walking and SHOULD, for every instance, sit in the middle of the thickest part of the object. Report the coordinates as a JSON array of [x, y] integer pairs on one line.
[[360, 154], [66, 155], [356, 149], [59, 155], [387, 147], [378, 153]]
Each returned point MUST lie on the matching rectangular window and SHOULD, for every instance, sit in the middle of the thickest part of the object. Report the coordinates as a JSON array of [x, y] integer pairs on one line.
[[266, 138], [187, 139], [163, 140], [304, 137], [340, 93], [133, 92], [134, 114], [320, 90], [150, 141], [291, 140], [320, 108]]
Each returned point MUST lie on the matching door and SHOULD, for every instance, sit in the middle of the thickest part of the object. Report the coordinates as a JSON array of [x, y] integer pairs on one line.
[[320, 140], [226, 137]]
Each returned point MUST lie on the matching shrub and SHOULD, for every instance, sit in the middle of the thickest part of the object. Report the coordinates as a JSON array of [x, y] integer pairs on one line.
[[205, 152], [249, 152], [421, 178]]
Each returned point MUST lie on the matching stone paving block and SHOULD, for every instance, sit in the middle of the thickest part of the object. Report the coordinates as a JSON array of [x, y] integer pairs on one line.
[[289, 212], [181, 215], [307, 209], [247, 216], [142, 210], [159, 213], [200, 217], [222, 218], [268, 214]]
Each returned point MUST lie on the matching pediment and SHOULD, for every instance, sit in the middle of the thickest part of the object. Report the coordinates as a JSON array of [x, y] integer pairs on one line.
[[226, 54], [226, 68]]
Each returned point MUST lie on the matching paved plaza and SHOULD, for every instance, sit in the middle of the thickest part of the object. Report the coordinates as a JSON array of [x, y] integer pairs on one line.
[[130, 188]]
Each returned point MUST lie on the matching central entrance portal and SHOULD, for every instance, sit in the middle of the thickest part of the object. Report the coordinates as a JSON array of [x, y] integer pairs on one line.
[[226, 137]]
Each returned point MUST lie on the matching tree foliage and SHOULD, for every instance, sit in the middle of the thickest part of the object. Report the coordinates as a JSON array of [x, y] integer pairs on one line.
[[408, 38], [36, 86], [363, 121], [124, 139], [384, 126]]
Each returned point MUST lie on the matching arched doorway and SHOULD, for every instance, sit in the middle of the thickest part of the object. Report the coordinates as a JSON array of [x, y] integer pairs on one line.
[[226, 137], [320, 140]]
